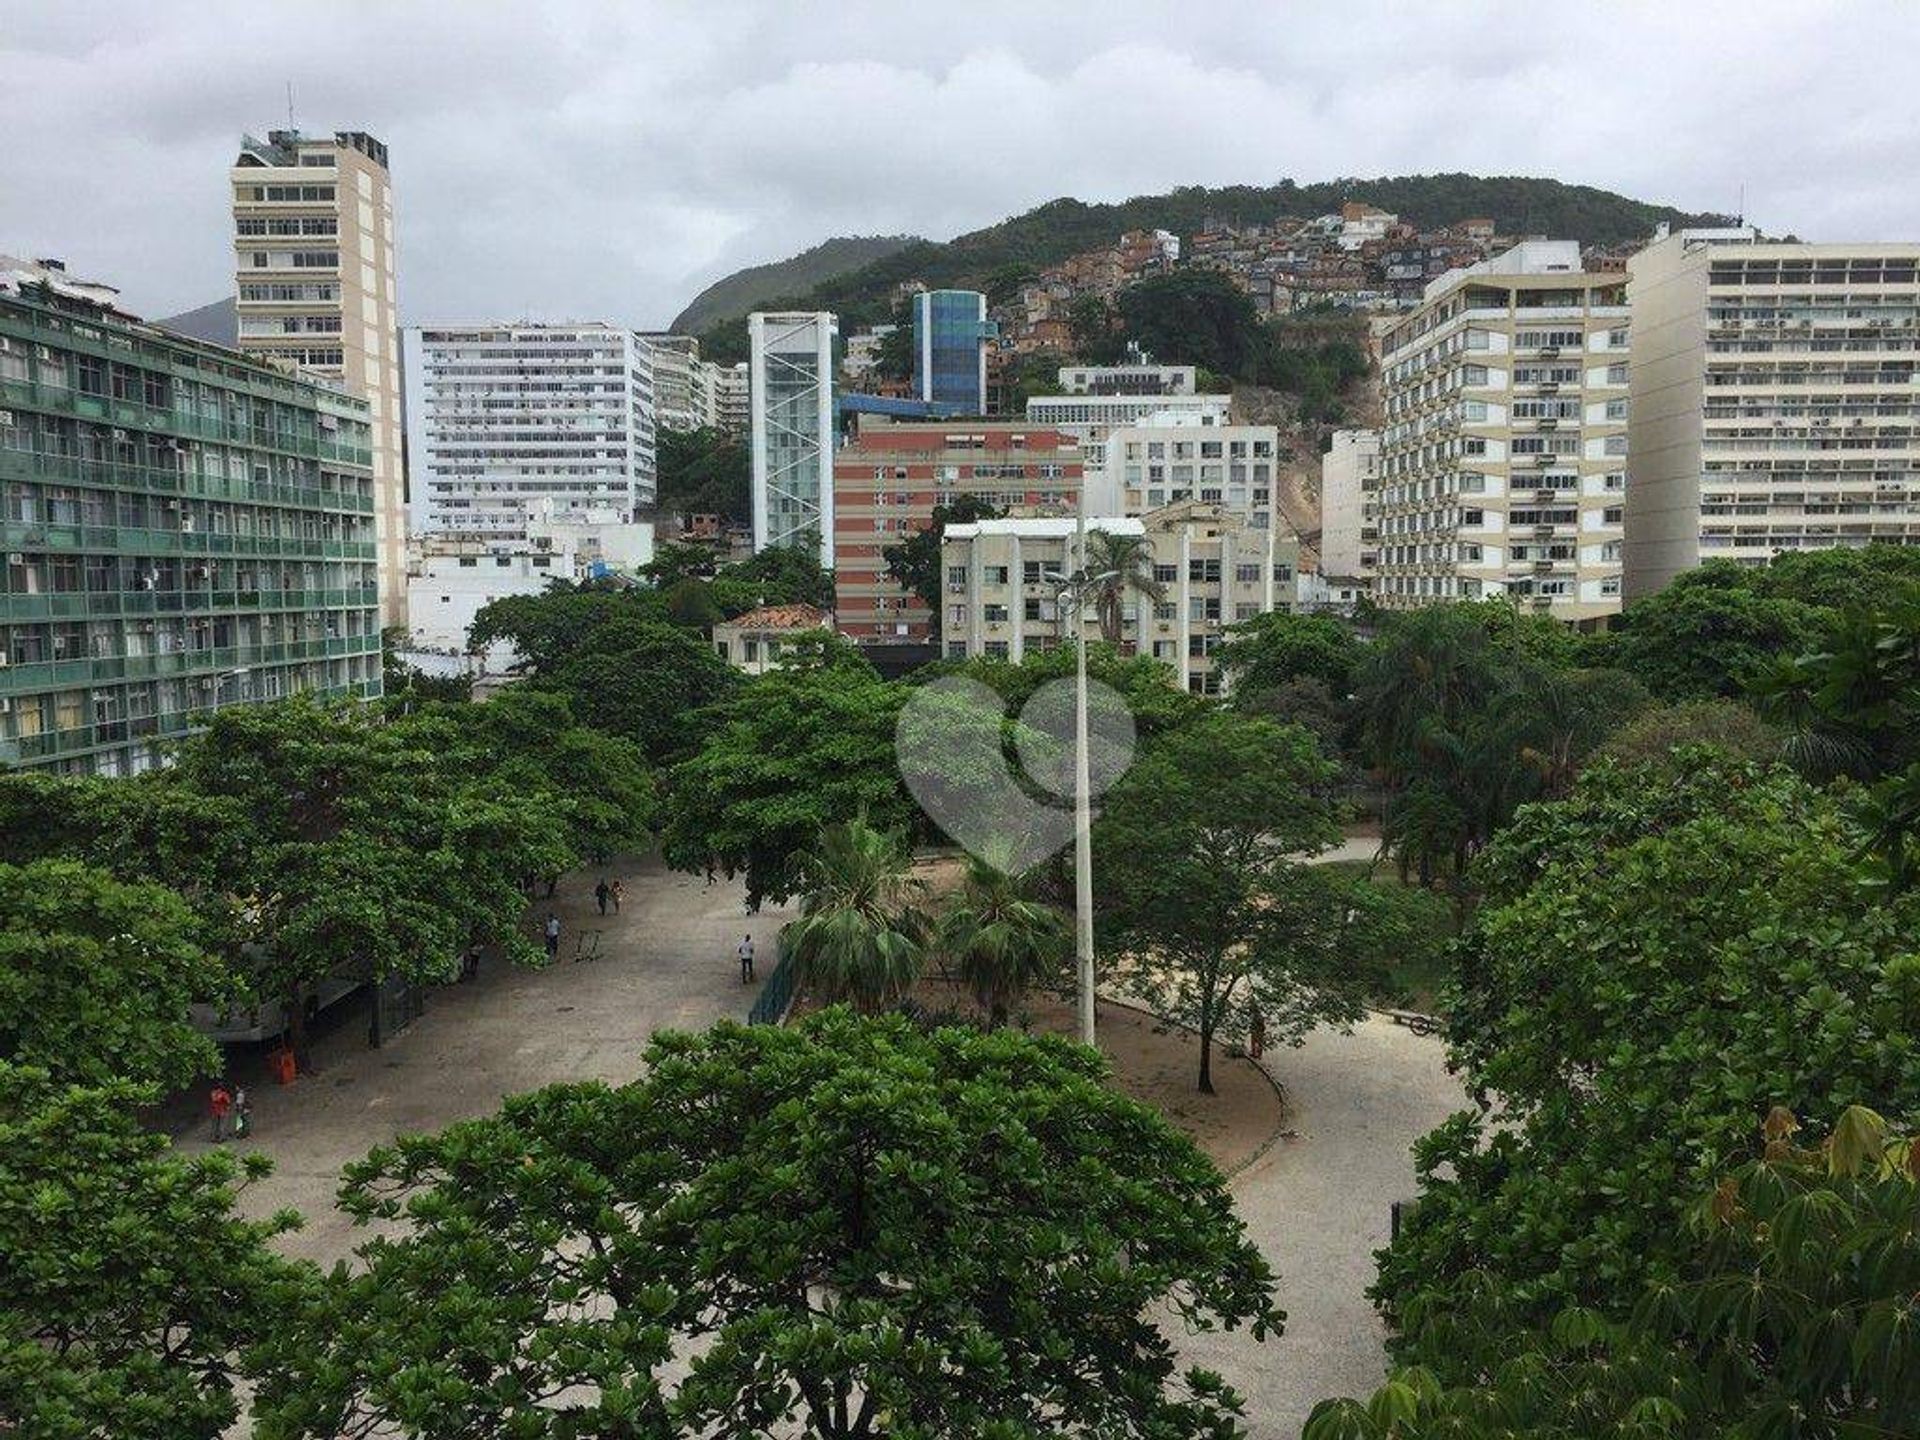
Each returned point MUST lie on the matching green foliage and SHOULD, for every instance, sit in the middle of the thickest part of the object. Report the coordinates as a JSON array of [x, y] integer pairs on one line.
[[549, 627], [1127, 563], [704, 472], [1709, 632], [841, 1228], [914, 563], [1048, 234], [1144, 683], [129, 1282], [1269, 650], [893, 356], [643, 681], [861, 936], [755, 288], [1656, 961], [1794, 1318], [1200, 890], [999, 941], [403, 686], [1652, 736], [96, 978], [790, 752]]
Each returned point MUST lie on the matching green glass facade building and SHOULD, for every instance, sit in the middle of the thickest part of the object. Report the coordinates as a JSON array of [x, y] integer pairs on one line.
[[185, 529]]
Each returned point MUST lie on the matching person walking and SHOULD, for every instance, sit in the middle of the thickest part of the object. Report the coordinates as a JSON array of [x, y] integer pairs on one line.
[[219, 1105], [553, 936], [616, 890], [600, 894], [242, 1112], [746, 959]]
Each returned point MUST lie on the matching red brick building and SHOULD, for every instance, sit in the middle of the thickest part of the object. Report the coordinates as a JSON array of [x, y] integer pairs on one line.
[[890, 476]]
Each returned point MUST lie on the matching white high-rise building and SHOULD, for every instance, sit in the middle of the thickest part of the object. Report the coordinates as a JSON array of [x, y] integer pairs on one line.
[[1775, 404], [1091, 417], [792, 422], [505, 422], [730, 389], [1503, 460], [1349, 471], [314, 267], [682, 393], [1175, 456]]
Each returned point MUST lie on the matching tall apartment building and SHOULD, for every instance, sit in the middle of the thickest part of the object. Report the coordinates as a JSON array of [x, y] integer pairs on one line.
[[887, 482], [1172, 456], [314, 270], [950, 334], [1092, 417], [1002, 586], [185, 529], [1349, 473], [1776, 400], [732, 396], [505, 422], [1503, 459], [682, 392], [791, 405]]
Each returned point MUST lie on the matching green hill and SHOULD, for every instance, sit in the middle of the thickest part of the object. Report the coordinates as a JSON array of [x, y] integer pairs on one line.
[[1001, 255], [752, 288]]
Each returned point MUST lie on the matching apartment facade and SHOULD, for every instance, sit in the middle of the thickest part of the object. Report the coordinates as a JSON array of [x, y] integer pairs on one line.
[[1503, 458], [509, 422], [1002, 586], [950, 334], [315, 285], [1349, 474], [186, 529], [790, 400], [1172, 457], [1092, 418], [888, 480], [1775, 400], [682, 398], [731, 391]]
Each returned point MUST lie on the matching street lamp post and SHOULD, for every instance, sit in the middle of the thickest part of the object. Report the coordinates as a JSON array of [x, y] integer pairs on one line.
[[1073, 597]]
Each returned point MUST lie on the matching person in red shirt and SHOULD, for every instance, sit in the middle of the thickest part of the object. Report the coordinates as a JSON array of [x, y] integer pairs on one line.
[[220, 1103]]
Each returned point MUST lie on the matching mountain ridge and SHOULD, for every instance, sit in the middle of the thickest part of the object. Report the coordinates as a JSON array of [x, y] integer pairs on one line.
[[1050, 232], [749, 289]]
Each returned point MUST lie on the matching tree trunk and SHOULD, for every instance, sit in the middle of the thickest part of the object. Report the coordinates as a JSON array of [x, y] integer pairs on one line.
[[1206, 1057]]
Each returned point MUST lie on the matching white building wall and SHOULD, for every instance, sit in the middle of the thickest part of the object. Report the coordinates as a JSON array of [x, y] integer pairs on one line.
[[791, 404], [1347, 471]]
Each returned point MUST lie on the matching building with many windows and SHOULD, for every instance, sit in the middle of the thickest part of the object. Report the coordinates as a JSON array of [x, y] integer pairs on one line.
[[1776, 400], [1172, 456], [1349, 474], [1131, 379], [790, 398], [1092, 417], [950, 334], [730, 391], [1503, 459], [1002, 586], [314, 271], [893, 474], [509, 422], [186, 528]]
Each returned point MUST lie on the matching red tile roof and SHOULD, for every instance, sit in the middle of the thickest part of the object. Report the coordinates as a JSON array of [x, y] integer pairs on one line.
[[782, 617]]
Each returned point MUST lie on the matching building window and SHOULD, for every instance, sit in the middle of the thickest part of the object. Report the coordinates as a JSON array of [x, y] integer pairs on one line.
[[995, 614]]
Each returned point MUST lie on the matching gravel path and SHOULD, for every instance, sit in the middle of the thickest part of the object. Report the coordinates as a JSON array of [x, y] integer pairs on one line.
[[1316, 1205]]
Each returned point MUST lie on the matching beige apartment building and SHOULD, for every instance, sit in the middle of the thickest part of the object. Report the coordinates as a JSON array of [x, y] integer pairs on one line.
[[1776, 390], [1003, 585], [1503, 460], [314, 270]]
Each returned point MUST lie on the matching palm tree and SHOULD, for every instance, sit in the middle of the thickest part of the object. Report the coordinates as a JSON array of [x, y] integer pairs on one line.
[[1127, 562], [1000, 942], [861, 935]]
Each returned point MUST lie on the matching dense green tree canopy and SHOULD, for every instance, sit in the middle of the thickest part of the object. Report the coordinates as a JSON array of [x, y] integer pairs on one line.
[[1656, 961], [643, 681], [704, 472], [1275, 648], [838, 1229], [127, 1283]]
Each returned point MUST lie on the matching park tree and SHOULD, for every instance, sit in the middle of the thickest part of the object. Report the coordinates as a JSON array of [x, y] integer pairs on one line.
[[546, 629], [1655, 961], [643, 681], [96, 978], [127, 1282], [783, 575], [862, 933], [1271, 650], [1792, 1316], [1195, 854], [914, 563], [789, 752], [1731, 727], [1709, 632], [838, 1229], [999, 941]]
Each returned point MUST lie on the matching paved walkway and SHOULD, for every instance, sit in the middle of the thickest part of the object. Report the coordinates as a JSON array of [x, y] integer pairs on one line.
[[667, 962], [1316, 1205]]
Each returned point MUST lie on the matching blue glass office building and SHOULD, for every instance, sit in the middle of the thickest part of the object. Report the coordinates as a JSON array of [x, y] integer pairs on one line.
[[950, 334]]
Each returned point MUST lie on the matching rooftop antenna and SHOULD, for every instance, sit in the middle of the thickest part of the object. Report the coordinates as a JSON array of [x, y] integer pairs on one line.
[[1740, 218], [290, 124]]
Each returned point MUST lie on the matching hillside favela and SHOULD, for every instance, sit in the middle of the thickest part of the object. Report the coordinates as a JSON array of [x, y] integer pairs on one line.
[[991, 723]]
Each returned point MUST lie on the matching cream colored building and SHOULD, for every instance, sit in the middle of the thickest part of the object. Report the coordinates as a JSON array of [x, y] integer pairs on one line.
[[1503, 459], [314, 269], [755, 641], [1349, 474], [1776, 400], [1002, 584], [1171, 456]]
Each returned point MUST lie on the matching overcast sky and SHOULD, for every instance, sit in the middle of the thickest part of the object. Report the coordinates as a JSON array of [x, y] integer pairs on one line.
[[568, 161]]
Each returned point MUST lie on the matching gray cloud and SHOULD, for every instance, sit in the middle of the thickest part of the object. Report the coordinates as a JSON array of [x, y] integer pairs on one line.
[[607, 160]]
